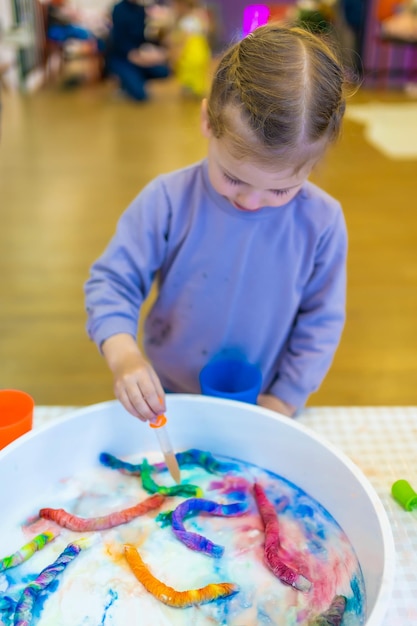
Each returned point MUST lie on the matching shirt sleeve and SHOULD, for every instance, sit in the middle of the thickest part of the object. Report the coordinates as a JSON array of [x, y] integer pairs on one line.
[[121, 278], [319, 323]]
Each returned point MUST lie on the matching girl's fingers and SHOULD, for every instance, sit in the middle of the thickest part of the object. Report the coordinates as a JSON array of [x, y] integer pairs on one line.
[[151, 392], [123, 397], [141, 394]]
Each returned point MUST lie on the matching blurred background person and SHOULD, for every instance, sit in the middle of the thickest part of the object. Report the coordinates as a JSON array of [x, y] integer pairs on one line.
[[131, 57], [63, 23], [190, 52], [316, 15]]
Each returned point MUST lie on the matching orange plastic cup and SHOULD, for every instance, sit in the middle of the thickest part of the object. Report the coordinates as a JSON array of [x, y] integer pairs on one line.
[[16, 415]]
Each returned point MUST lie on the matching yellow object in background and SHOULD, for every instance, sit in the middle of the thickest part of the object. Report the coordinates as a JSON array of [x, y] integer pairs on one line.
[[190, 47], [193, 64]]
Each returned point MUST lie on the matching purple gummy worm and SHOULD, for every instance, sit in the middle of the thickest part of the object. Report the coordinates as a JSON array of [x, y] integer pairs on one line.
[[194, 541]]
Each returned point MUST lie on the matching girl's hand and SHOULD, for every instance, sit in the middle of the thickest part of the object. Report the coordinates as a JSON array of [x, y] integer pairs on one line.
[[136, 384], [268, 401]]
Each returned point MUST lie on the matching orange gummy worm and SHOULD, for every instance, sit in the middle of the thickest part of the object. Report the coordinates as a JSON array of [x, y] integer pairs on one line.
[[169, 595]]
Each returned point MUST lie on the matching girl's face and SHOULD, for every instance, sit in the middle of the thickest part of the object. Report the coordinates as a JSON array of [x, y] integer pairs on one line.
[[247, 186]]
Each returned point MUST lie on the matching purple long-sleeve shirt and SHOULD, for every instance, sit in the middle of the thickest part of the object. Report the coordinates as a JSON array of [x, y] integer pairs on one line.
[[268, 285]]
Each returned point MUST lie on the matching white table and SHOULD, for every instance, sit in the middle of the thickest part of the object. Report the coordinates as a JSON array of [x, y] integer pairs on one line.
[[382, 441]]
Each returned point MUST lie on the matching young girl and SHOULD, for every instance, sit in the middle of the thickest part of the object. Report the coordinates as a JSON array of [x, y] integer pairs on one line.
[[249, 256]]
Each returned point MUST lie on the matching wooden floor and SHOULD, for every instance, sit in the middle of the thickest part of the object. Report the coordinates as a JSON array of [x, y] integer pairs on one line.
[[71, 161]]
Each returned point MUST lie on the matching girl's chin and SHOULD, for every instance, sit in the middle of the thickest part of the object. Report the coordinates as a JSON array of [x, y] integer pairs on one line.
[[242, 208]]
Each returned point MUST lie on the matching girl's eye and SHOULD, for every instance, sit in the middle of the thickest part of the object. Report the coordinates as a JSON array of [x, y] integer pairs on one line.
[[280, 192], [232, 181], [235, 181]]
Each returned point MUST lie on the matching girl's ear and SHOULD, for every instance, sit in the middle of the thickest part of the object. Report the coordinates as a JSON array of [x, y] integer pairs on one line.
[[204, 120]]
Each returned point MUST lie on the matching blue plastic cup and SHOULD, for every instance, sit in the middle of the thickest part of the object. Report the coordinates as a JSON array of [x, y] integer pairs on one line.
[[231, 378]]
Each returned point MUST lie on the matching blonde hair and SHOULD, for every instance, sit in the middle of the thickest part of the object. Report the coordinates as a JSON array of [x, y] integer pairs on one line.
[[278, 94]]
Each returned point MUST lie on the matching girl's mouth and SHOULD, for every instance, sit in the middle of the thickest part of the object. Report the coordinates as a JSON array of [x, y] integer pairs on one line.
[[242, 208]]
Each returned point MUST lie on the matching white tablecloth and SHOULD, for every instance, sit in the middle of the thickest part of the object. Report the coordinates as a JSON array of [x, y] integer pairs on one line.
[[382, 441]]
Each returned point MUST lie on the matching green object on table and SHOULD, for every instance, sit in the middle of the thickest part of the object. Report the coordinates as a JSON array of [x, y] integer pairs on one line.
[[403, 492]]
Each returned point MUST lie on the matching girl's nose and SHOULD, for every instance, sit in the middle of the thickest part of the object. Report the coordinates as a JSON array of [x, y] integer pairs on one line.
[[250, 200]]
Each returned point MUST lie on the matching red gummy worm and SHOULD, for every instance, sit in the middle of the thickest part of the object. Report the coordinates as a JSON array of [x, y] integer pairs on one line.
[[72, 522], [286, 574]]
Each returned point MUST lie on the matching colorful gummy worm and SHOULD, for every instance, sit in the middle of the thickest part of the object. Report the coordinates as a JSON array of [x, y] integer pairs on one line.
[[197, 542], [72, 522], [189, 457], [164, 518], [286, 574], [108, 460], [176, 490], [24, 607], [334, 614], [203, 459], [169, 595], [7, 606], [26, 551]]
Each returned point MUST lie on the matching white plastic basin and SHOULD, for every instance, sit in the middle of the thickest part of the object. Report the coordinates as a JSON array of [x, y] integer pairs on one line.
[[33, 465]]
